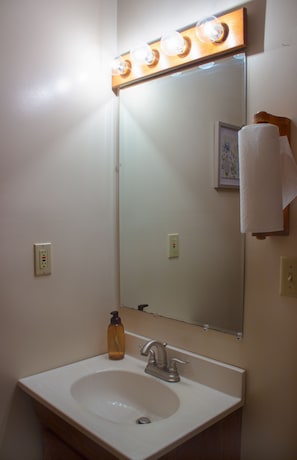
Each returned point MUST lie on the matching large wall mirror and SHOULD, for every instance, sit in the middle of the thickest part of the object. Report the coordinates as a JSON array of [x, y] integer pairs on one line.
[[169, 150]]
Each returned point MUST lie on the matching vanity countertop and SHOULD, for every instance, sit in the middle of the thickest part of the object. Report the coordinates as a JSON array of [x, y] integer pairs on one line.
[[208, 392]]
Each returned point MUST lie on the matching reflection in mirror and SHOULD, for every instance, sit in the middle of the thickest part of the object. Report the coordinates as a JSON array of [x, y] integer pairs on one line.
[[168, 155]]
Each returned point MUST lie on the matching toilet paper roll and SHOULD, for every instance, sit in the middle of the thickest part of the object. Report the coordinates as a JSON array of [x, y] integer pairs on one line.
[[260, 179], [288, 172]]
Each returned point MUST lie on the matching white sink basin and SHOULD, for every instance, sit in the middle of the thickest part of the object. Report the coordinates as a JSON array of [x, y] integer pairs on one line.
[[125, 397], [104, 398]]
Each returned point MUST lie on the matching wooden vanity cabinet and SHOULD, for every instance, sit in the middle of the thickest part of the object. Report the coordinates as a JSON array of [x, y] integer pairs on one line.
[[62, 441]]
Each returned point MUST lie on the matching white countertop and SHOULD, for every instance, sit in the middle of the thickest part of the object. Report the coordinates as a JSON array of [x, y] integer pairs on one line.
[[201, 404]]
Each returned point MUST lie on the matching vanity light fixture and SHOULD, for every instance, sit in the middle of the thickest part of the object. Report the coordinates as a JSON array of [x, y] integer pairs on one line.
[[174, 44], [190, 46], [211, 30]]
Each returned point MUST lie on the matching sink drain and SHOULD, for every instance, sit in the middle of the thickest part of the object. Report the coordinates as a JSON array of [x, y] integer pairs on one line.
[[143, 420]]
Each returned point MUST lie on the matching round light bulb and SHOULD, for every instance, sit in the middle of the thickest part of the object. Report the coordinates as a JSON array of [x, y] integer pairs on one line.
[[120, 66], [142, 54], [173, 43], [210, 30]]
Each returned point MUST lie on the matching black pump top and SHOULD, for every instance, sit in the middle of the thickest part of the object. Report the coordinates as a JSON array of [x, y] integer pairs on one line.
[[115, 318]]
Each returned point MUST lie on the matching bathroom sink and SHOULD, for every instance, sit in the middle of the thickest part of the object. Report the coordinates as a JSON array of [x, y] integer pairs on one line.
[[111, 402], [125, 397]]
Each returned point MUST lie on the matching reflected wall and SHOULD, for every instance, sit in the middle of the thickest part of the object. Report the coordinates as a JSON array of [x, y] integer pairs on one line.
[[167, 158]]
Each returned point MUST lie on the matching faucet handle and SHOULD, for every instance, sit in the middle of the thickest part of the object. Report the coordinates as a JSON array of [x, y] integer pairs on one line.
[[172, 369], [174, 361]]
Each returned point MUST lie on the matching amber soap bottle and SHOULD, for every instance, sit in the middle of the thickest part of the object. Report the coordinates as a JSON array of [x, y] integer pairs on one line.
[[116, 337]]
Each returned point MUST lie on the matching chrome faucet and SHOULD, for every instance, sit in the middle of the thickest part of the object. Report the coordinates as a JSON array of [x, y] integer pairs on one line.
[[157, 366]]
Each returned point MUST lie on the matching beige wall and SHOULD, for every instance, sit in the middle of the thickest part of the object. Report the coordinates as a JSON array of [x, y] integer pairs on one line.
[[57, 185], [268, 349]]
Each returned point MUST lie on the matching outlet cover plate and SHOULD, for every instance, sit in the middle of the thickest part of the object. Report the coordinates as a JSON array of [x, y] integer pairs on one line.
[[42, 259]]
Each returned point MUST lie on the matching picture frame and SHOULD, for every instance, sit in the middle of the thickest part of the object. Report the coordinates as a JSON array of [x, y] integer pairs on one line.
[[226, 160]]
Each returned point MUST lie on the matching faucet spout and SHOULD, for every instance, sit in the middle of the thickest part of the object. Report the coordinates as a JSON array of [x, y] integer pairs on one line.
[[161, 360], [157, 363]]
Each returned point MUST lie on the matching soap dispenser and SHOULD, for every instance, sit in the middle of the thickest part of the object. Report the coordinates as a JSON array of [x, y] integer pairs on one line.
[[116, 337]]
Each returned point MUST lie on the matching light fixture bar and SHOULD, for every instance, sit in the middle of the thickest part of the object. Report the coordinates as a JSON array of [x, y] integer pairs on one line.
[[199, 52]]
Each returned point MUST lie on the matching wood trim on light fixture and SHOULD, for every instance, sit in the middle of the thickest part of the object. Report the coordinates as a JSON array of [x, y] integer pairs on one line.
[[199, 52], [284, 126]]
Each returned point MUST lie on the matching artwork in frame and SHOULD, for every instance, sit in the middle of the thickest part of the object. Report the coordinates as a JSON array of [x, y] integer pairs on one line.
[[226, 161]]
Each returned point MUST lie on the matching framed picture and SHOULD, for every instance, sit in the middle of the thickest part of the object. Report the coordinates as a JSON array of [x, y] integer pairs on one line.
[[226, 162]]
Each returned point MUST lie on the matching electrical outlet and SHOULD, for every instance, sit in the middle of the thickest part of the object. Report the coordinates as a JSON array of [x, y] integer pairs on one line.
[[42, 259], [288, 277]]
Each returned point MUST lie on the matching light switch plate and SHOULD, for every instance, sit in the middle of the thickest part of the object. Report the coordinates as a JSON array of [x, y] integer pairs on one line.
[[173, 245], [288, 276], [42, 259]]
